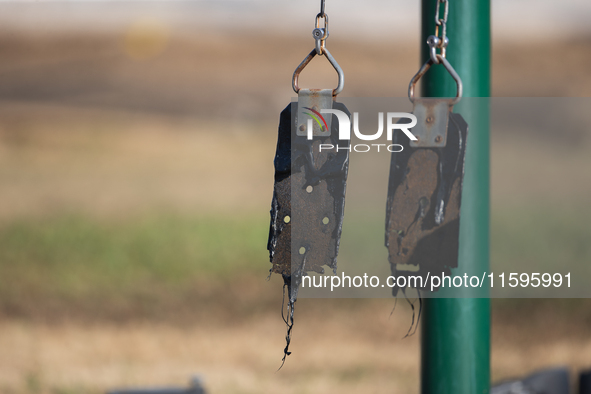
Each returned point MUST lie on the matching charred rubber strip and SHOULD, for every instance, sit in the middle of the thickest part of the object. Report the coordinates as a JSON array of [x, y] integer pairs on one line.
[[308, 204]]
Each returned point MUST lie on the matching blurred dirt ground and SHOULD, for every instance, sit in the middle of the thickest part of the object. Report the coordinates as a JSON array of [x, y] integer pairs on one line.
[[361, 349], [116, 127]]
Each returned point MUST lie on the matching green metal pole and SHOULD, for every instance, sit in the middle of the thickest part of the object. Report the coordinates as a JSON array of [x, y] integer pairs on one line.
[[455, 333]]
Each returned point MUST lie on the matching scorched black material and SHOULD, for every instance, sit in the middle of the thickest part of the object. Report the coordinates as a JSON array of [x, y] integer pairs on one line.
[[308, 204], [423, 207]]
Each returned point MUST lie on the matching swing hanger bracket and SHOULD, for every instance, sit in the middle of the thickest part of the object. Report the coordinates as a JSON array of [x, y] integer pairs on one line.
[[432, 113], [320, 34], [436, 42], [423, 70]]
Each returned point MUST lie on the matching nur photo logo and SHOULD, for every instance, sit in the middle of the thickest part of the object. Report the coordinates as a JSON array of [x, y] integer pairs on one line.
[[391, 119]]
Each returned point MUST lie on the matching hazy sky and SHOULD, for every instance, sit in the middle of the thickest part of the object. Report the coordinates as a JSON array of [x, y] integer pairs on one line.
[[512, 19]]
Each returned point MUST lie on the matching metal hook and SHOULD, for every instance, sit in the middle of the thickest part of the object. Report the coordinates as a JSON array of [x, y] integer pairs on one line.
[[426, 67]]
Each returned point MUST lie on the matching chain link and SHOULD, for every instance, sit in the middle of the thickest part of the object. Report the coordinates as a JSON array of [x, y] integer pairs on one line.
[[439, 40], [321, 33]]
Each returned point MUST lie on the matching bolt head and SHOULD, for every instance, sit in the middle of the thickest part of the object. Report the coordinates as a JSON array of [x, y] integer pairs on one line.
[[433, 41]]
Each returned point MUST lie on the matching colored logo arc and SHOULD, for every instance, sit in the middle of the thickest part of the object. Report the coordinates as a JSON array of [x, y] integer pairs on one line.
[[318, 115]]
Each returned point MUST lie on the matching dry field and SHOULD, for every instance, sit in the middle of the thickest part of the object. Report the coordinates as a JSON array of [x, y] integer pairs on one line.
[[94, 126], [338, 346]]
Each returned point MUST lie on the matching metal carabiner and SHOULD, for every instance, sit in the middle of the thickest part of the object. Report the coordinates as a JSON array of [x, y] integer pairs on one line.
[[426, 67]]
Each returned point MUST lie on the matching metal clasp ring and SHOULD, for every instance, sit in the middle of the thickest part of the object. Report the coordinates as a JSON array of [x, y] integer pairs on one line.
[[320, 34], [426, 67]]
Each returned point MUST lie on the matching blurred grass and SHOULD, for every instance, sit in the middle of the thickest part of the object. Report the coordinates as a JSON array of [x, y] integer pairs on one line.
[[540, 238], [147, 264], [63, 261]]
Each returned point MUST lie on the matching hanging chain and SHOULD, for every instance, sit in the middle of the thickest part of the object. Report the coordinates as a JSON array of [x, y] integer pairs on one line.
[[321, 33], [438, 41]]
